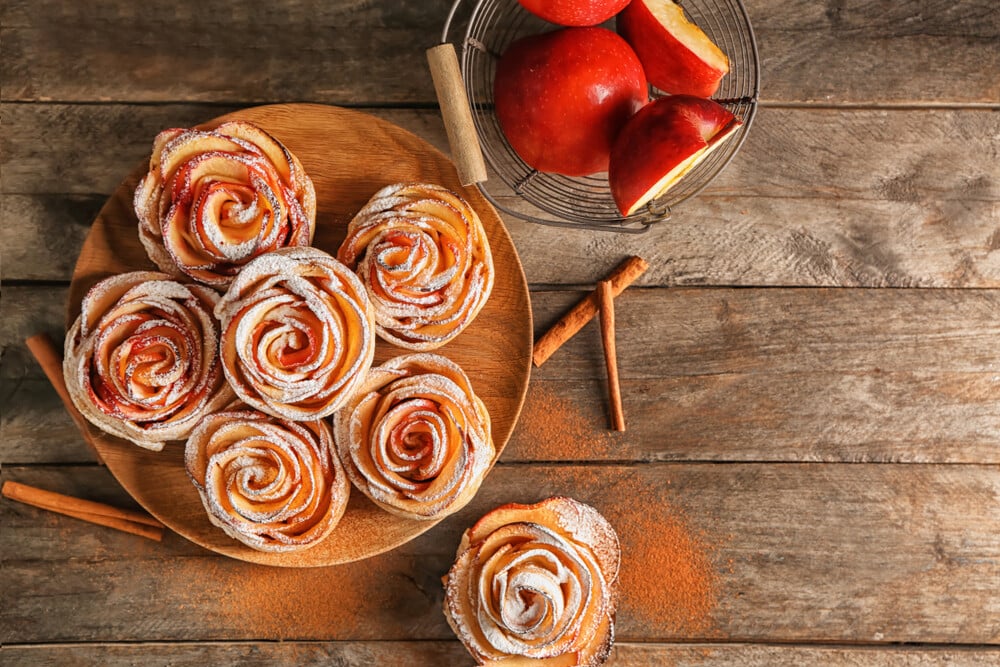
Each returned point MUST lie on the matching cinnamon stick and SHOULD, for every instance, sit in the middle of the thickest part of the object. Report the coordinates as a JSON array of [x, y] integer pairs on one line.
[[607, 308], [50, 358], [127, 521], [584, 311]]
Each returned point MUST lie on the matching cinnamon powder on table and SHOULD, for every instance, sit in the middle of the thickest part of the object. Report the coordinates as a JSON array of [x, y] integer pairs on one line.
[[668, 585], [555, 429], [667, 579], [238, 599], [668, 582]]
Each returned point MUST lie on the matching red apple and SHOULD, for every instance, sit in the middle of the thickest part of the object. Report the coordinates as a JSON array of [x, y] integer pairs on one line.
[[661, 143], [678, 57], [561, 97], [574, 12]]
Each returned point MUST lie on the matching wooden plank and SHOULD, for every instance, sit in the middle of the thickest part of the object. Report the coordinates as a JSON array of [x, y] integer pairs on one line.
[[25, 311], [34, 425], [904, 155], [683, 332], [921, 212], [220, 50], [42, 234], [435, 653], [708, 375], [63, 137], [189, 654], [833, 52], [713, 241], [786, 553], [824, 52], [879, 417], [888, 418]]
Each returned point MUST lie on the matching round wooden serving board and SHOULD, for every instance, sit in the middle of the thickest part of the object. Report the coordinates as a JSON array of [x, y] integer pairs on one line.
[[349, 155]]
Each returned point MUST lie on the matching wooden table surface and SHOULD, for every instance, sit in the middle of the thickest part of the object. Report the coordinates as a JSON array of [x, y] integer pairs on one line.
[[810, 368]]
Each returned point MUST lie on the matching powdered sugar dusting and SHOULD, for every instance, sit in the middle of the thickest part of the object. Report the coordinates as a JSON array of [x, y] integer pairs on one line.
[[300, 294], [274, 485], [420, 305], [140, 360], [424, 393], [529, 583], [195, 175]]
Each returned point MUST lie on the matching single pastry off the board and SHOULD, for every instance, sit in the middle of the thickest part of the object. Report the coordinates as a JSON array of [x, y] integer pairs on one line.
[[424, 258], [273, 484], [141, 360], [536, 585], [298, 333], [215, 199], [415, 438]]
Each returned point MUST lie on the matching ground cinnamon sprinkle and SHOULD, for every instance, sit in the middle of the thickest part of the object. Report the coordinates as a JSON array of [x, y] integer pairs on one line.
[[668, 582], [552, 428], [680, 600], [240, 599]]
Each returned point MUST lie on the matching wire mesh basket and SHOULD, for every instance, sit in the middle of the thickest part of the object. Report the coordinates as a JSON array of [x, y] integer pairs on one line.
[[585, 201]]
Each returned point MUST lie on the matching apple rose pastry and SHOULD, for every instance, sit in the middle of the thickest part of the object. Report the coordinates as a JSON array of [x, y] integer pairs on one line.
[[415, 438], [538, 582], [141, 360], [215, 199], [424, 258], [273, 484], [297, 333]]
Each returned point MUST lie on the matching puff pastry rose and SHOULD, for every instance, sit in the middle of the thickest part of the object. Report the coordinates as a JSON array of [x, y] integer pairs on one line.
[[537, 582], [423, 256], [215, 199], [141, 360], [273, 484], [297, 333], [415, 438]]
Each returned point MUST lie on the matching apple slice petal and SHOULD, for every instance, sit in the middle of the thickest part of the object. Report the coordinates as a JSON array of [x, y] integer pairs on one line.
[[662, 143]]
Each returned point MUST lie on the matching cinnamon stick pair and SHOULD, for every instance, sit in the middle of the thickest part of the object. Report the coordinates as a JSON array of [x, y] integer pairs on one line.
[[600, 300], [127, 521]]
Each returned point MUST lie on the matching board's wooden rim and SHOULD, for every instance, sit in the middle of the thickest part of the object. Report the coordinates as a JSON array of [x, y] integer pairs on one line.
[[118, 453]]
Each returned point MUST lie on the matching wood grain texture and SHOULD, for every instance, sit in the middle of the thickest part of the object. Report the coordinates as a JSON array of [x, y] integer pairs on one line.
[[713, 241], [826, 52], [220, 50], [720, 375], [349, 156], [695, 332], [807, 201], [820, 553], [437, 653], [42, 234], [874, 162], [63, 137]]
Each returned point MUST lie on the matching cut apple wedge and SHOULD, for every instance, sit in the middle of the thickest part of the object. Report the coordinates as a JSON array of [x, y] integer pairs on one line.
[[574, 12], [678, 57], [663, 142]]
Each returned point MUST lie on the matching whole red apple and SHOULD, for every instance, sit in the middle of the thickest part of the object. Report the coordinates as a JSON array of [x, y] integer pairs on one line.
[[574, 12], [561, 97], [661, 143], [678, 57]]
